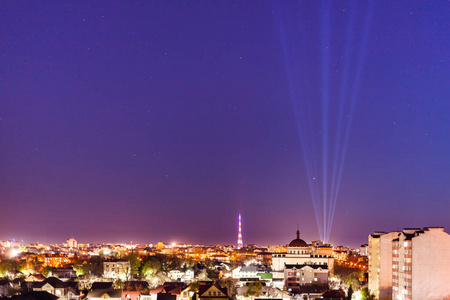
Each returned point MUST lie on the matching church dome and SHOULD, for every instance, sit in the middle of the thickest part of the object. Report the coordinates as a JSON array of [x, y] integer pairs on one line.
[[298, 242]]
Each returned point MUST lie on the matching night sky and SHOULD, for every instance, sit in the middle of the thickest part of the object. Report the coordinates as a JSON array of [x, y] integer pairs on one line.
[[163, 120]]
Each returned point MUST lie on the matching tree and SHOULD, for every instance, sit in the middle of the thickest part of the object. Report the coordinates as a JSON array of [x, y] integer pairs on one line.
[[151, 267], [47, 271], [5, 266], [194, 286], [365, 294], [349, 293], [254, 289], [230, 286], [118, 283], [95, 265], [203, 276], [81, 267]]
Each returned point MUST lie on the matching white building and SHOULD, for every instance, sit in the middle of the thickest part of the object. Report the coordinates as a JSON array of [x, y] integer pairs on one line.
[[245, 272], [299, 254], [178, 275], [72, 243], [299, 275], [380, 263], [363, 249], [115, 269]]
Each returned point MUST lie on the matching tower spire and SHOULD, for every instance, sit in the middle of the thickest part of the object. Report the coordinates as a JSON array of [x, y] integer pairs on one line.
[[239, 242]]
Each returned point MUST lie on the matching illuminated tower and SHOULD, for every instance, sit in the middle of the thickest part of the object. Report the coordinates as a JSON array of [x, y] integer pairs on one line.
[[240, 244]]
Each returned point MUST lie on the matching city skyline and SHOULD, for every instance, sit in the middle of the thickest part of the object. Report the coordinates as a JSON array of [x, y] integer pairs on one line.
[[164, 121]]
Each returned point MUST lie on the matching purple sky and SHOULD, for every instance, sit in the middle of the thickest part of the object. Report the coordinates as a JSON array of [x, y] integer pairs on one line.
[[162, 120]]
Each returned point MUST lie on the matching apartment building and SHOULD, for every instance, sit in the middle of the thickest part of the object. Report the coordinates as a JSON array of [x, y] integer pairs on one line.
[[413, 264]]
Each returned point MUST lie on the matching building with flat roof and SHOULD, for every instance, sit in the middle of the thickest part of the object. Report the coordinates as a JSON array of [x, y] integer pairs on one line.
[[380, 263]]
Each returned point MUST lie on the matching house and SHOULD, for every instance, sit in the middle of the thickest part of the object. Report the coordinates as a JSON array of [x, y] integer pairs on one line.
[[188, 275], [117, 269], [187, 293], [34, 295], [245, 272], [172, 288], [110, 294], [64, 273], [211, 291], [175, 274], [178, 275], [4, 286], [131, 295], [54, 286]]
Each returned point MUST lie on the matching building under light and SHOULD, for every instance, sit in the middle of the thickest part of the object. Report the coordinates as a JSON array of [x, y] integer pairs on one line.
[[302, 265], [417, 261]]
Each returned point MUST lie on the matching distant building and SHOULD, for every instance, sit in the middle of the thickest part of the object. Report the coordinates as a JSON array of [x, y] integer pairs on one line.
[[363, 250], [72, 243], [160, 245], [341, 253]]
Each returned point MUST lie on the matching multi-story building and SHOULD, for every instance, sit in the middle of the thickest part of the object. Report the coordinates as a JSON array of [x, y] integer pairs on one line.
[[114, 269], [72, 243], [410, 265], [363, 250], [300, 275], [301, 256], [56, 260], [380, 264], [421, 264]]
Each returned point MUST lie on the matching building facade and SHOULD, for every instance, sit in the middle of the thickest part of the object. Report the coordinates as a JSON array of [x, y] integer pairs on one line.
[[380, 263], [421, 264], [300, 275], [410, 265], [116, 269], [301, 256]]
